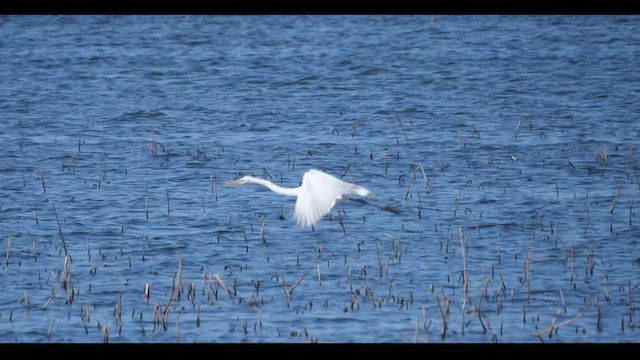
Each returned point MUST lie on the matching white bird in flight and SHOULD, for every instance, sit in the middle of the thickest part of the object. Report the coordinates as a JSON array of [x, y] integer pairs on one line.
[[316, 196]]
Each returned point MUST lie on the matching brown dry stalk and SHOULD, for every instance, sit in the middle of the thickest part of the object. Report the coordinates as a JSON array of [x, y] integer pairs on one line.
[[224, 286], [444, 319], [60, 230], [214, 186], [168, 207], [287, 295], [35, 212], [615, 200], [264, 240], [55, 292], [379, 262], [465, 276], [8, 248], [457, 203], [566, 322], [349, 272], [306, 271]]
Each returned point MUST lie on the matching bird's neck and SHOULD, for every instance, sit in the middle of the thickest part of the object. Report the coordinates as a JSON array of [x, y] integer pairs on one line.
[[275, 188]]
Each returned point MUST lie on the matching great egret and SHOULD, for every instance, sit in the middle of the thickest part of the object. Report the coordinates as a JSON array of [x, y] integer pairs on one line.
[[316, 196]]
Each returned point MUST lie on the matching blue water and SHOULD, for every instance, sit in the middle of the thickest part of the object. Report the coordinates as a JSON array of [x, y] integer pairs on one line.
[[517, 132]]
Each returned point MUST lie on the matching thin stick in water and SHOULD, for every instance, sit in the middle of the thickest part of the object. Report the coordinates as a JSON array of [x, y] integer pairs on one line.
[[35, 212], [168, 208], [284, 283], [64, 245], [224, 286], [306, 271], [8, 249], [615, 200], [214, 186], [465, 276], [379, 262], [564, 305], [89, 238], [457, 202]]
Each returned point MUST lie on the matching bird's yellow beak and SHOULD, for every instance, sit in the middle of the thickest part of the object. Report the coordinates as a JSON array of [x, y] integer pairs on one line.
[[233, 183]]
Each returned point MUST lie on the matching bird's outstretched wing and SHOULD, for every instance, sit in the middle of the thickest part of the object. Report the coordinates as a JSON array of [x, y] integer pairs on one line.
[[318, 194]]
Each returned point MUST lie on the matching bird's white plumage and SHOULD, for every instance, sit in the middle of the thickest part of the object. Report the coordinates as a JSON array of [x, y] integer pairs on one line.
[[315, 197]]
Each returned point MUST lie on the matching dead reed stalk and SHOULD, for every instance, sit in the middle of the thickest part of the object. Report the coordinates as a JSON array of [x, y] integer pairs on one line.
[[264, 240], [8, 248], [457, 203], [527, 274], [287, 295], [64, 245], [444, 319], [566, 322], [224, 286], [379, 262], [214, 186], [615, 200], [306, 271], [35, 212], [349, 272], [168, 207], [465, 275]]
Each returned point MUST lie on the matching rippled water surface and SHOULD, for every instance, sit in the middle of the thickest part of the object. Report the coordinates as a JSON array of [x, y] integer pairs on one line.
[[518, 134]]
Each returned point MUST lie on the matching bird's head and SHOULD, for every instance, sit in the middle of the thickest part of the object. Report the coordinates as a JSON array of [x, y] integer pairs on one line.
[[242, 180]]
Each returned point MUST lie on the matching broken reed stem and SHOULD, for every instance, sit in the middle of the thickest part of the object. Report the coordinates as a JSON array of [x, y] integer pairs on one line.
[[566, 322], [105, 334], [564, 305], [53, 295], [64, 245], [630, 304], [26, 300], [455, 209], [586, 226], [146, 293], [401, 126], [214, 186], [49, 330], [65, 274], [168, 208], [176, 284], [44, 188], [379, 262], [412, 178], [598, 313], [484, 293], [89, 238], [615, 200], [606, 291], [527, 272], [465, 276], [118, 310], [573, 263], [224, 286], [444, 319], [8, 248], [264, 240], [349, 272], [146, 207], [35, 211], [476, 224], [284, 283], [306, 271], [517, 128]]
